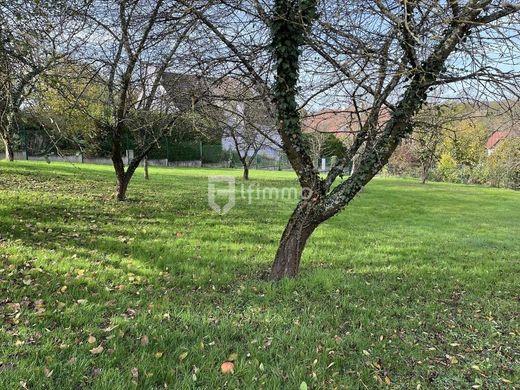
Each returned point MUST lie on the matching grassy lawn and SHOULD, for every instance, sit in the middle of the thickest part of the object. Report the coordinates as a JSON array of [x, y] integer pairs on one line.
[[412, 287]]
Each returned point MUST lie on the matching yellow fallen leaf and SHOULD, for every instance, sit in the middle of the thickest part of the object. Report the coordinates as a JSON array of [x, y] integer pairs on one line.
[[158, 354], [183, 355], [97, 350], [91, 339]]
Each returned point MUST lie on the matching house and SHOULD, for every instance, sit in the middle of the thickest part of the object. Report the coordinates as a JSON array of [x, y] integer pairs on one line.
[[226, 100], [495, 138], [340, 123]]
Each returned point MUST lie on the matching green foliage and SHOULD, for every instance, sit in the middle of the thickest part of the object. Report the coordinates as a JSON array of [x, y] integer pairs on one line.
[[377, 297], [502, 168], [334, 147], [447, 169], [70, 107], [466, 142]]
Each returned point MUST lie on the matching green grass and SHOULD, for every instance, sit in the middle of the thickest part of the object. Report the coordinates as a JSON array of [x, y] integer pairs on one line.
[[412, 286]]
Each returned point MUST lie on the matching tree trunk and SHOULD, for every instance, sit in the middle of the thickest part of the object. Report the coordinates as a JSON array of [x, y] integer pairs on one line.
[[145, 163], [119, 166], [246, 173], [122, 186], [9, 152], [298, 230], [424, 175]]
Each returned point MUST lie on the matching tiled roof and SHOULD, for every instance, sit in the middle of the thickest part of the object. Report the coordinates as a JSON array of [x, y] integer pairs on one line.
[[495, 138]]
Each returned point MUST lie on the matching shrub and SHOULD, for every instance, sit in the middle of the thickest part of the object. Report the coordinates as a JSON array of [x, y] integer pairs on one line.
[[447, 169]]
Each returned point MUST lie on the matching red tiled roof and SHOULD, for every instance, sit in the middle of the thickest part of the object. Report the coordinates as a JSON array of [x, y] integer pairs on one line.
[[342, 122], [495, 138], [329, 121]]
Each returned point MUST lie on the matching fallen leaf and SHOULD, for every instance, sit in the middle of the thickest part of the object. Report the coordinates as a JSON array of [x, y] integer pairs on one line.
[[91, 339], [135, 373], [227, 368], [232, 357], [303, 386], [97, 350], [110, 328], [144, 341], [158, 354], [183, 355], [48, 373]]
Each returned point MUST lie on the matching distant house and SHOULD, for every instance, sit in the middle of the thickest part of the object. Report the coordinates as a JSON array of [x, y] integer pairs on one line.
[[495, 138], [340, 122]]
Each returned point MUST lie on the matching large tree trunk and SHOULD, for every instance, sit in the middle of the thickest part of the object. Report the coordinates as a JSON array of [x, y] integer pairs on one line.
[[9, 151], [299, 228], [246, 172]]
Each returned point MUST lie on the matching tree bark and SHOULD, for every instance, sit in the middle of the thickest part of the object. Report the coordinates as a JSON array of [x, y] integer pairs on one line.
[[246, 173], [119, 167], [424, 174], [122, 186], [299, 228], [9, 151], [145, 163]]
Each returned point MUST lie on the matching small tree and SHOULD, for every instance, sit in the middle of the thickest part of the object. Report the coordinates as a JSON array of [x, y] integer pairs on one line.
[[251, 129], [141, 41]]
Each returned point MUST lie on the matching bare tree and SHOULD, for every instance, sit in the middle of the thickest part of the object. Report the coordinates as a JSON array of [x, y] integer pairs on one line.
[[249, 126], [377, 56], [139, 41], [35, 37]]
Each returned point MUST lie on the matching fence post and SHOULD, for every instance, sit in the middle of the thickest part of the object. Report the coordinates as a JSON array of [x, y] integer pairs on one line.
[[25, 143], [168, 150]]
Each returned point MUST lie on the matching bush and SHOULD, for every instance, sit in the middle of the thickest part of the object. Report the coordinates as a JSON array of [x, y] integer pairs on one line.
[[447, 169]]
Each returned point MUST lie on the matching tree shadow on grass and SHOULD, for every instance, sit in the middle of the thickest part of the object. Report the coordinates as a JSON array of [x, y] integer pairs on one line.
[[334, 323]]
